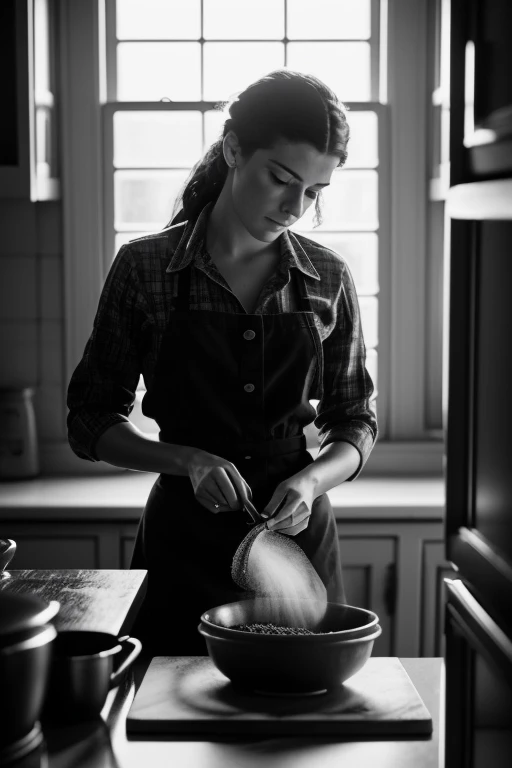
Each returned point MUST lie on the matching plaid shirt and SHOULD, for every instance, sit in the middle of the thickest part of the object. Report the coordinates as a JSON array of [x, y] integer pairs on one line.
[[134, 310]]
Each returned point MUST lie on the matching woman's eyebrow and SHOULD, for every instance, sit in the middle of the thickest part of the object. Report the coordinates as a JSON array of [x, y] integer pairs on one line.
[[289, 170]]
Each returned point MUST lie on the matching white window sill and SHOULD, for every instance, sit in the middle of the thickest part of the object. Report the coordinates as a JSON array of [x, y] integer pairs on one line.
[[121, 496]]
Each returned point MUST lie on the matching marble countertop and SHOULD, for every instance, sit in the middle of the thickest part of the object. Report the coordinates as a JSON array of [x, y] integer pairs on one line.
[[121, 495]]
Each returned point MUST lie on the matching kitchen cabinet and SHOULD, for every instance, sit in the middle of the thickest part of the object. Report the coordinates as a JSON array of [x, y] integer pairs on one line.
[[390, 532], [394, 568], [368, 566], [127, 545], [68, 545]]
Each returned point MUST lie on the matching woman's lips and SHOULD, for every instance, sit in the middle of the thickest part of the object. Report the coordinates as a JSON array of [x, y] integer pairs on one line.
[[275, 223]]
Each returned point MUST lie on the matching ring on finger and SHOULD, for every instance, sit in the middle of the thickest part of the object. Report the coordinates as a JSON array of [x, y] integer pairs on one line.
[[216, 505]]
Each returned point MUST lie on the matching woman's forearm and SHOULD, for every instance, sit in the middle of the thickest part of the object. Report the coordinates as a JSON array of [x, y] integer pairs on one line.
[[123, 445], [334, 464]]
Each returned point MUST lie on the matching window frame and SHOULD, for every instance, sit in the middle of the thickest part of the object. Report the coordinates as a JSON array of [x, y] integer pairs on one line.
[[402, 350]]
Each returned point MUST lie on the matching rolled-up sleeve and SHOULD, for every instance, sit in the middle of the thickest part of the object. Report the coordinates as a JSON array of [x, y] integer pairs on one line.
[[102, 389], [344, 412]]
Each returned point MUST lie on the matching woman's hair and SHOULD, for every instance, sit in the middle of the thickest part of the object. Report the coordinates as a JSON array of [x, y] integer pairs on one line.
[[282, 105]]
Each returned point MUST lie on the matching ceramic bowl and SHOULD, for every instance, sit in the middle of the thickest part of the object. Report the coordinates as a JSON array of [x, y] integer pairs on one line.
[[289, 664]]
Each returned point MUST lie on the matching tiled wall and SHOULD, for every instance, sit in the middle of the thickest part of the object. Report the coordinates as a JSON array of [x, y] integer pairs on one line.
[[32, 309]]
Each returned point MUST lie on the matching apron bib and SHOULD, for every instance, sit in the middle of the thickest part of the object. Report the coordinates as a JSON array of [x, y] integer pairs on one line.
[[235, 385]]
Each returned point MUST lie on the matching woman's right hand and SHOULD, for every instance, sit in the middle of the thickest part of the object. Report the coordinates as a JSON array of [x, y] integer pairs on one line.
[[217, 483]]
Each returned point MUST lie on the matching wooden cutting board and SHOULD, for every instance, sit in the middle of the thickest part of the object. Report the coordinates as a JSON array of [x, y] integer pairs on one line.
[[187, 695], [99, 600]]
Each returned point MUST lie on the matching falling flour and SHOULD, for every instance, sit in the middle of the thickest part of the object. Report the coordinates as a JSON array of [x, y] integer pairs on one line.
[[271, 564]]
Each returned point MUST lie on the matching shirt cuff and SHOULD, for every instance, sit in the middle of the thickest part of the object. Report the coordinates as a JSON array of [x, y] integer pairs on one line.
[[85, 429], [358, 434]]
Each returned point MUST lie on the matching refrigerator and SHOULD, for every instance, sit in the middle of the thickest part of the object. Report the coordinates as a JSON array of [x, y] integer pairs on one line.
[[477, 405]]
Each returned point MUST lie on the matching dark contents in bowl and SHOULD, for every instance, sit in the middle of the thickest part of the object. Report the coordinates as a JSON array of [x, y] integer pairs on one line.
[[271, 629]]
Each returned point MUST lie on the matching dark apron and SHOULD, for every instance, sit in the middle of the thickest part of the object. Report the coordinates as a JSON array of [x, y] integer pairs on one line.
[[235, 385]]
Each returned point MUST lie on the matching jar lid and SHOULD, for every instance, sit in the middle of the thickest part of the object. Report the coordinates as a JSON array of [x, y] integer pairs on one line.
[[19, 613]]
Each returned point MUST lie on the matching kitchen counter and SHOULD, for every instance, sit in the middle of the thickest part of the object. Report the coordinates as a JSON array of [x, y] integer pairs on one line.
[[104, 742], [122, 495]]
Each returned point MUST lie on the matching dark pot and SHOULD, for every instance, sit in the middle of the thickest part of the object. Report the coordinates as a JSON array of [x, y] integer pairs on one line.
[[23, 615], [85, 666], [24, 667]]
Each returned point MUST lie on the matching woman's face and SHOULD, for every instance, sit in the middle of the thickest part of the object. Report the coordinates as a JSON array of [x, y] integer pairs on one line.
[[274, 187]]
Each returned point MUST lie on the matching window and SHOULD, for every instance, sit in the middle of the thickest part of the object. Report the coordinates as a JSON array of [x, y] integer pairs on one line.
[[386, 242], [157, 126]]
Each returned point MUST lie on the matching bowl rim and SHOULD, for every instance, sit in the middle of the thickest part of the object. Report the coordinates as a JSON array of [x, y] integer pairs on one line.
[[318, 637], [340, 632]]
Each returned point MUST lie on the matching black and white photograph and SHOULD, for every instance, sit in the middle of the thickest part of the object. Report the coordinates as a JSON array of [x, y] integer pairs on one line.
[[255, 423]]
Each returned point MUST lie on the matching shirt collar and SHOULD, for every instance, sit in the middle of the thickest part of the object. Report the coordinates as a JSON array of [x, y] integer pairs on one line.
[[191, 247]]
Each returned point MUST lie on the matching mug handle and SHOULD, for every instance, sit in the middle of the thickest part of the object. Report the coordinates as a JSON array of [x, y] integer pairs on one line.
[[125, 642]]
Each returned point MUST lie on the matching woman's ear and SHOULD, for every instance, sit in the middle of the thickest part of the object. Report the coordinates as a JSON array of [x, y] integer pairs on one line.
[[231, 149]]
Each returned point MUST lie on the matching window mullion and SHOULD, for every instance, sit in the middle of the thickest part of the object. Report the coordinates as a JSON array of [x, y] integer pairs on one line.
[[374, 49], [111, 49]]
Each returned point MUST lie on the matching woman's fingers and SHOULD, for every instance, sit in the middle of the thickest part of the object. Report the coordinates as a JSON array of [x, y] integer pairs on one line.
[[219, 484], [241, 488], [208, 502], [225, 488], [291, 515], [295, 529]]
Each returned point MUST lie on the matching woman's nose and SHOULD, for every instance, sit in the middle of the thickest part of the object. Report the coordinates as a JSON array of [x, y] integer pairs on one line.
[[294, 205]]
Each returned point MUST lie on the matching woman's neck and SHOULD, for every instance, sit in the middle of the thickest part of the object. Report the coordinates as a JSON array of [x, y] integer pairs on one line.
[[226, 234]]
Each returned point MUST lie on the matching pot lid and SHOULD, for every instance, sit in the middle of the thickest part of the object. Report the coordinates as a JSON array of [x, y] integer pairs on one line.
[[19, 613]]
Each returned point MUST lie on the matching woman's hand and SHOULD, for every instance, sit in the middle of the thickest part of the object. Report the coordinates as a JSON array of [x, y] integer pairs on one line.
[[289, 509], [217, 483]]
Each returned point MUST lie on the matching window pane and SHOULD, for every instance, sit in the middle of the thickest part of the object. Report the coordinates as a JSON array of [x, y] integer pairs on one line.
[[143, 200], [369, 320], [361, 254], [344, 67], [214, 121], [250, 20], [153, 71], [157, 139], [326, 19], [362, 146], [349, 203], [231, 67], [158, 19]]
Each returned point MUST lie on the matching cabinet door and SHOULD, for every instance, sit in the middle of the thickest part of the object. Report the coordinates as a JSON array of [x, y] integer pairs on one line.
[[434, 569], [368, 572], [127, 545], [50, 547]]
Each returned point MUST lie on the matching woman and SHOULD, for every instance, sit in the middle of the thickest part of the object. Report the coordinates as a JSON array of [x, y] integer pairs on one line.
[[235, 323]]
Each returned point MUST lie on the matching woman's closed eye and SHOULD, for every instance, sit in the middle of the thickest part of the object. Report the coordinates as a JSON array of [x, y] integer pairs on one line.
[[310, 192]]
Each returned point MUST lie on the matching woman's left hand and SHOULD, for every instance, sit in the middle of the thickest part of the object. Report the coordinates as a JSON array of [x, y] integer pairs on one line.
[[289, 509]]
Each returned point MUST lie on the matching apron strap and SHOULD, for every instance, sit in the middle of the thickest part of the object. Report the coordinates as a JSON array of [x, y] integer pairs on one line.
[[183, 298]]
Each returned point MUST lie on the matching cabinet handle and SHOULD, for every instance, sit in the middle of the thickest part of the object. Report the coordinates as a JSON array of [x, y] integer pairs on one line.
[[481, 631]]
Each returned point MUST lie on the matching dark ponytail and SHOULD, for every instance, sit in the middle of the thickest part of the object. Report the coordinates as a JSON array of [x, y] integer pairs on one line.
[[282, 105]]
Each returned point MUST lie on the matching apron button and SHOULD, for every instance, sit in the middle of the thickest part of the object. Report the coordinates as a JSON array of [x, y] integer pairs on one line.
[[249, 387], [249, 335]]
